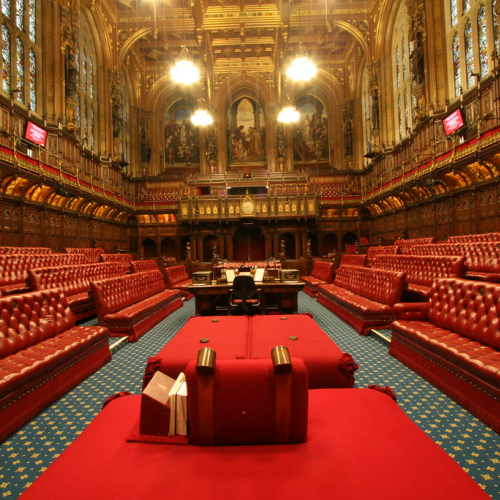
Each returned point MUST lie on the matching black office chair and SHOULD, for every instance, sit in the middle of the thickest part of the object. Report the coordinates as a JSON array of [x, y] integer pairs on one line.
[[244, 296]]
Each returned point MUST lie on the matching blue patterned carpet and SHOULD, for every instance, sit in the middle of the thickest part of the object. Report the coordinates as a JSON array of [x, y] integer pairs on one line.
[[26, 454]]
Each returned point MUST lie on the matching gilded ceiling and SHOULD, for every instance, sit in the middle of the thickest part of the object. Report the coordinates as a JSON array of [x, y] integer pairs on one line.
[[231, 36]]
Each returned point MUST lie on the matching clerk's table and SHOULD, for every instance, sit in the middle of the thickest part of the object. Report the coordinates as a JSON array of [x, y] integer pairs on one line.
[[213, 299]]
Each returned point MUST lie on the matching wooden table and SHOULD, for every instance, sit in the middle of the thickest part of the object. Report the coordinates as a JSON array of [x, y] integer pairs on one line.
[[215, 299]]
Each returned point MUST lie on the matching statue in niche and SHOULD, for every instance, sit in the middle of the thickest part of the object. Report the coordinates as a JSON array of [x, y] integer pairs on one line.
[[188, 250], [348, 137], [417, 60], [116, 103], [375, 110], [71, 74], [145, 148]]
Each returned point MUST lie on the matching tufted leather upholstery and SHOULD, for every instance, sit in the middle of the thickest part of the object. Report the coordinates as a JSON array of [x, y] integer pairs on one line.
[[453, 341], [39, 339], [482, 259], [321, 274], [374, 252], [14, 268], [91, 254], [177, 278], [363, 297], [353, 259], [469, 238], [139, 266], [74, 281], [124, 258], [414, 241], [132, 304], [37, 250], [422, 270]]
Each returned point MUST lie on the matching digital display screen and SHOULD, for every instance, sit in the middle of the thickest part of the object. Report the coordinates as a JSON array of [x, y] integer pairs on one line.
[[35, 134], [453, 122]]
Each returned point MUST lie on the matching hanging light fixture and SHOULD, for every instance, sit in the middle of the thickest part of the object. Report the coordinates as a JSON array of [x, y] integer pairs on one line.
[[288, 113], [201, 116], [184, 70], [302, 68]]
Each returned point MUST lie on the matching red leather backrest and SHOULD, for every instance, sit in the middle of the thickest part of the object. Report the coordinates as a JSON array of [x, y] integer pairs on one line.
[[72, 279], [353, 259], [323, 270], [469, 308], [379, 285], [29, 318], [114, 294], [138, 266], [175, 275], [422, 269]]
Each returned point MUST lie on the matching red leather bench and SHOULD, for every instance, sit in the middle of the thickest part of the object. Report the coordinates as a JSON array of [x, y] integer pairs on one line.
[[125, 259], [422, 270], [74, 281], [244, 337], [363, 297], [321, 274], [177, 278], [14, 268], [140, 266], [374, 252], [42, 354], [91, 254], [453, 341], [18, 250], [482, 258], [132, 304], [353, 259], [351, 432]]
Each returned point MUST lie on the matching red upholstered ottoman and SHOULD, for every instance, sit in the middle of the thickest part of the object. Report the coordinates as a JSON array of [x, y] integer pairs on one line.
[[326, 364], [226, 335], [360, 446]]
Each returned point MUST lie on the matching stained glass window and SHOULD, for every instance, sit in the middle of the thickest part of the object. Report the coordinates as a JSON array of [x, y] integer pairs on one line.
[[407, 118], [413, 107], [33, 103], [20, 14], [483, 41], [91, 78], [403, 54], [454, 12], [466, 5], [398, 76], [456, 65], [78, 106], [400, 121], [85, 123], [84, 71], [92, 141], [32, 20], [6, 8], [469, 54], [495, 26], [6, 62], [20, 70]]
